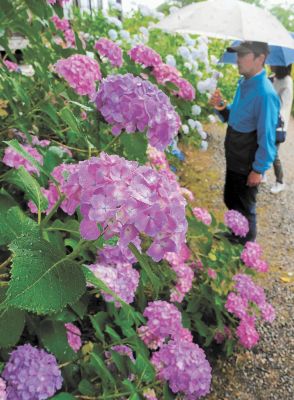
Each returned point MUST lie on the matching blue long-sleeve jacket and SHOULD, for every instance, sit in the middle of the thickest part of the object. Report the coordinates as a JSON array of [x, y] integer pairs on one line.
[[255, 110]]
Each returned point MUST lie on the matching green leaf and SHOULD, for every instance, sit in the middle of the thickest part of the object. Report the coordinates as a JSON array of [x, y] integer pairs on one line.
[[144, 369], [26, 182], [71, 226], [167, 393], [39, 8], [54, 338], [11, 325], [14, 223], [42, 280], [98, 323], [111, 332], [86, 388], [50, 111], [201, 327], [68, 117], [63, 396], [101, 368], [134, 146]]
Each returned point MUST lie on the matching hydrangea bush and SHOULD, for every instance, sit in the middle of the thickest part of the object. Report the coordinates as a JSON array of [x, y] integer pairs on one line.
[[111, 283]]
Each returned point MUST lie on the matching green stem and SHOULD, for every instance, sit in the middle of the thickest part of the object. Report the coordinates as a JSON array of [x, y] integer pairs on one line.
[[110, 144], [52, 212], [6, 262]]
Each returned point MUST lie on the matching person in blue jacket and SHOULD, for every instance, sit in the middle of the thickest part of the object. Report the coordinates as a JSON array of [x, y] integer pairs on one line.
[[251, 134]]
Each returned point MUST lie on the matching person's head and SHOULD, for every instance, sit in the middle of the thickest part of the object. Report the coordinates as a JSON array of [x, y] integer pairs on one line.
[[250, 57], [281, 72]]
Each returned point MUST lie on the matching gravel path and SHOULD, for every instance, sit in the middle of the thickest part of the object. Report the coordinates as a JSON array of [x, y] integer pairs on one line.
[[266, 372]]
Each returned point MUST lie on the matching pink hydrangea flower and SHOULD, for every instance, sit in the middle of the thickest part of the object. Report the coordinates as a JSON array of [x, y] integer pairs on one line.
[[127, 199], [11, 66], [123, 350], [246, 332], [145, 56], [202, 215], [251, 257], [248, 289], [237, 305], [268, 312], [81, 72], [60, 23], [184, 366], [3, 394], [15, 160], [166, 73], [164, 321], [237, 223], [211, 273], [73, 336], [130, 103], [122, 279], [107, 48]]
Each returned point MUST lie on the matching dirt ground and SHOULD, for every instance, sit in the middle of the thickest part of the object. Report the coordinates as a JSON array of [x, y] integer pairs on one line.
[[266, 372]]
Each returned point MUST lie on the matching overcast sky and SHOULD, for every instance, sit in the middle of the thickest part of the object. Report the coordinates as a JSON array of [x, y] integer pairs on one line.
[[129, 4]]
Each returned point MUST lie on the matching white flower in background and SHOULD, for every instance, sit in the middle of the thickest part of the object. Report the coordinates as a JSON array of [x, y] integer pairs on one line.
[[199, 73], [203, 39], [115, 21], [144, 31], [195, 65], [189, 66], [212, 118], [158, 15], [185, 129], [196, 110], [173, 9], [90, 54], [208, 85], [125, 34], [184, 52], [170, 60], [189, 41], [145, 11], [213, 59], [112, 34], [192, 123], [204, 145]]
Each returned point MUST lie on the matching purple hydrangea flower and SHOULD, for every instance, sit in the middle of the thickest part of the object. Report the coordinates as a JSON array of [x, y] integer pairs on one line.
[[14, 160], [251, 257], [236, 305], [237, 223], [123, 350], [247, 333], [130, 103], [184, 366], [31, 373]]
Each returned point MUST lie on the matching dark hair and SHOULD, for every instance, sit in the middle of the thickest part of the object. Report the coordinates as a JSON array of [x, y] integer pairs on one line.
[[282, 72]]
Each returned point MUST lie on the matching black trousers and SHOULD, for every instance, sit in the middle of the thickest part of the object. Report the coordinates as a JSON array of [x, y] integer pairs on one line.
[[240, 197]]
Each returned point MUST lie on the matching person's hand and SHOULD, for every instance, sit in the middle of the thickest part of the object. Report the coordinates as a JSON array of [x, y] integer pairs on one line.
[[254, 179], [217, 101]]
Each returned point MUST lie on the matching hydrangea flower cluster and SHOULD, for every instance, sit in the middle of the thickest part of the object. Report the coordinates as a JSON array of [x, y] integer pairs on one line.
[[122, 279], [127, 199], [60, 23], [164, 322], [14, 160], [130, 103], [237, 223], [184, 366], [145, 56], [251, 257], [239, 304], [11, 66], [183, 271], [31, 373], [73, 336], [3, 395], [202, 215], [72, 200], [123, 350], [64, 26], [81, 72], [165, 73], [107, 48]]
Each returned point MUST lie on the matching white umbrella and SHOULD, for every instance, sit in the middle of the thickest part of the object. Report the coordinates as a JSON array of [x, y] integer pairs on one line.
[[228, 19]]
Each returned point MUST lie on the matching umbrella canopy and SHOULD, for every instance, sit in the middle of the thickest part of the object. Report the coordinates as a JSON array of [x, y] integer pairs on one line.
[[228, 19], [278, 56]]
